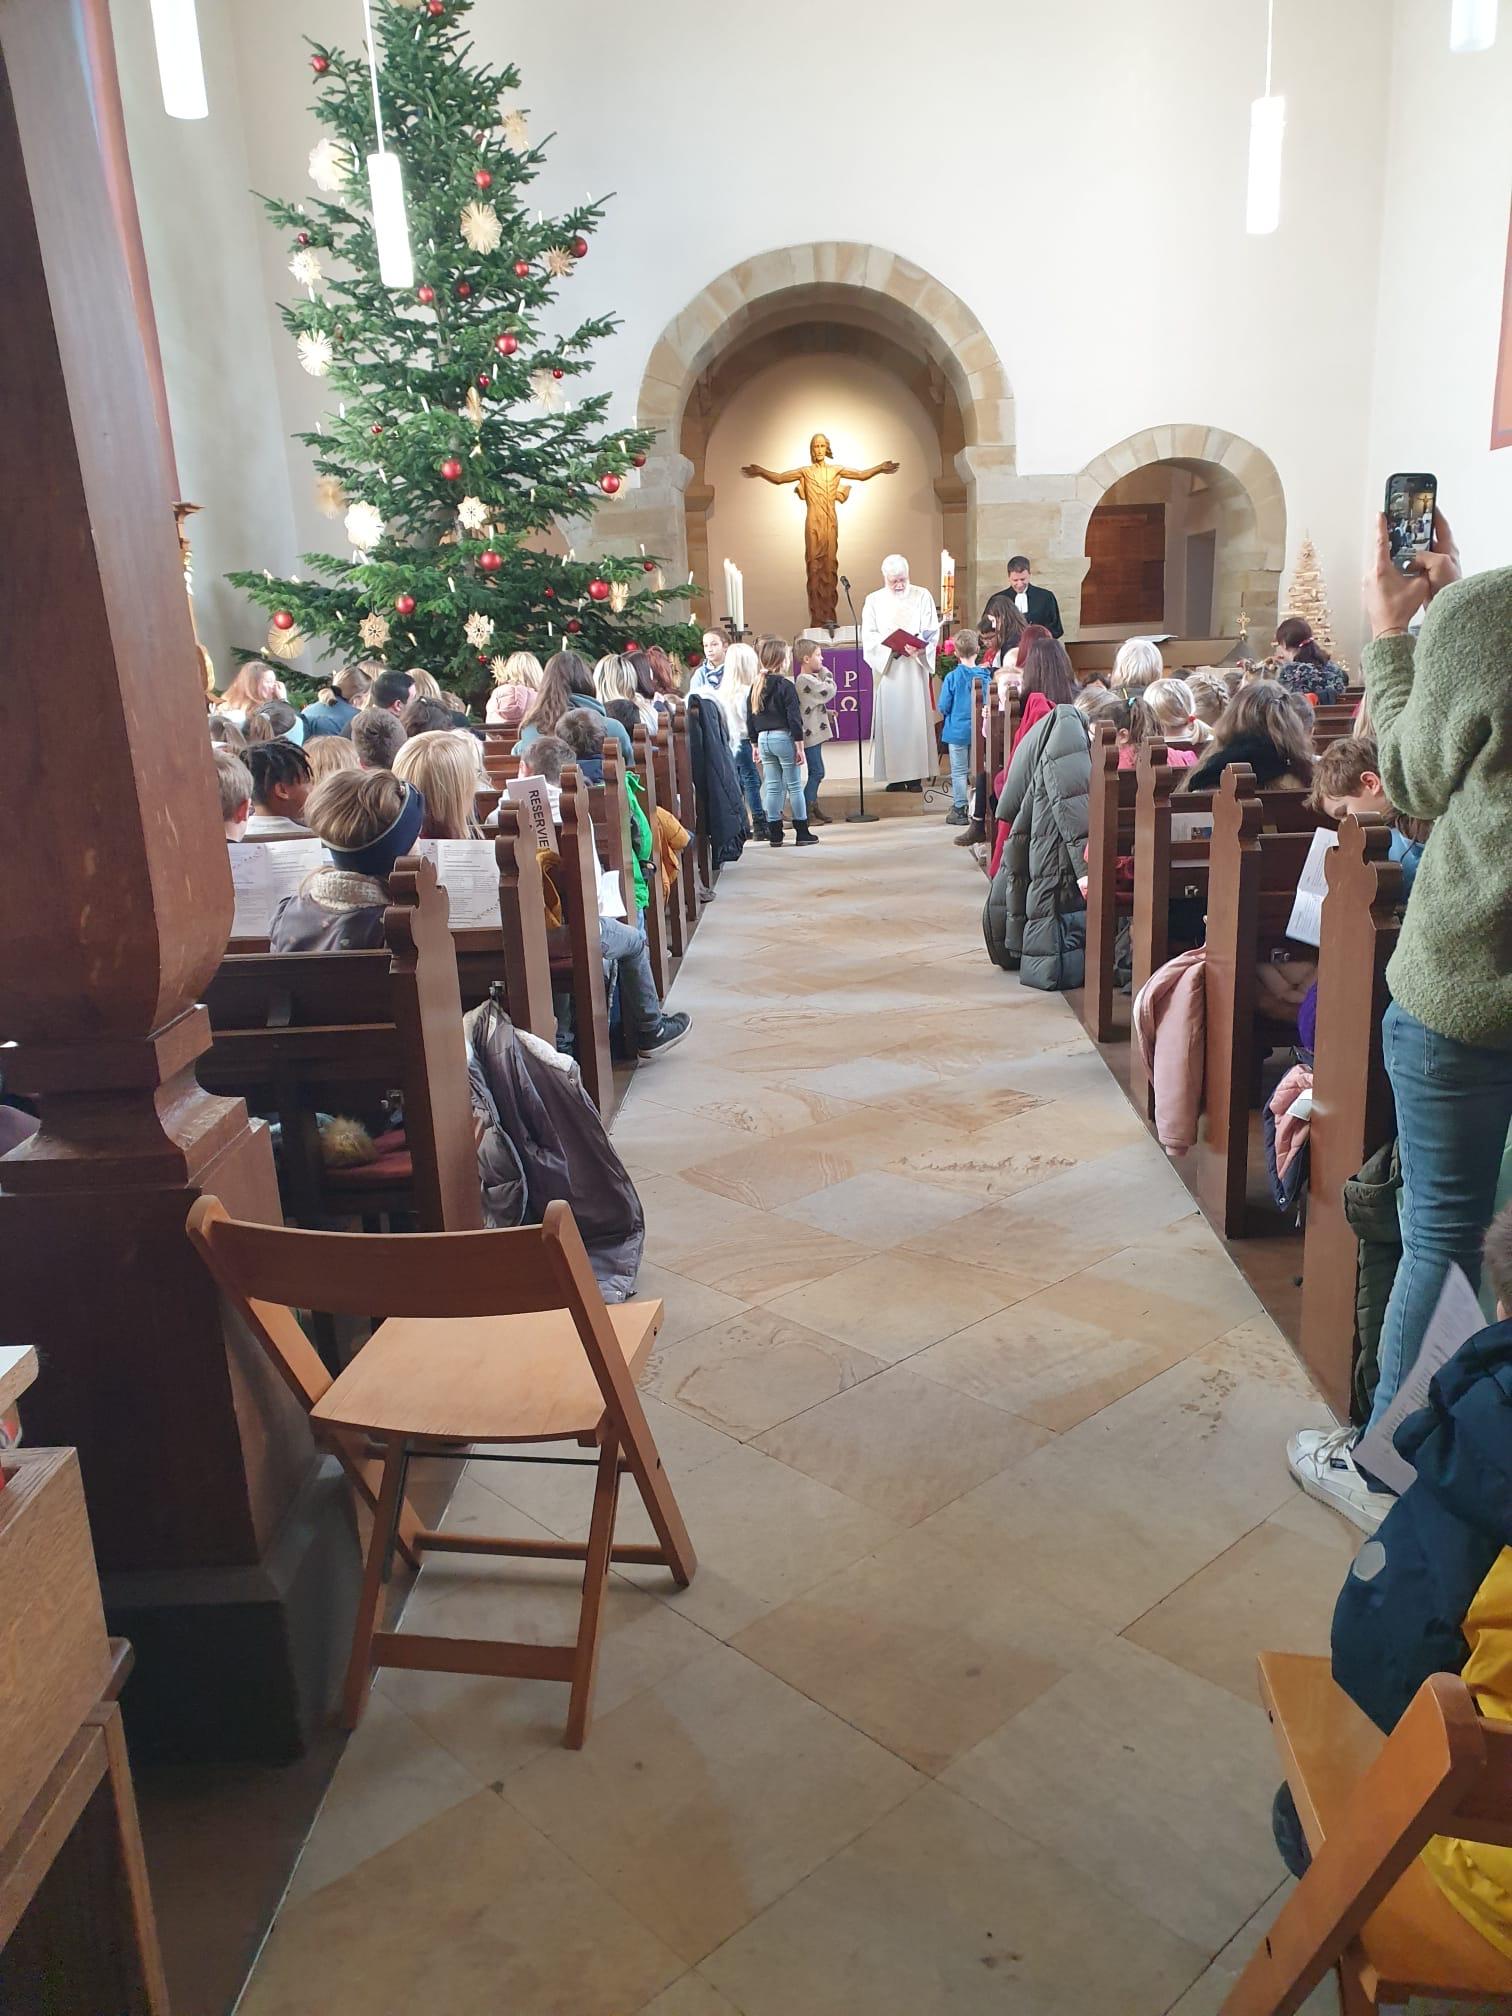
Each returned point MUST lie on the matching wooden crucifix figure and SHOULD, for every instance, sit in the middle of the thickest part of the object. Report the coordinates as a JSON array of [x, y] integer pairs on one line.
[[823, 487]]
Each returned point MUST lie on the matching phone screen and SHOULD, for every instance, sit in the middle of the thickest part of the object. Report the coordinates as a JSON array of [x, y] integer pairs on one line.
[[1410, 501]]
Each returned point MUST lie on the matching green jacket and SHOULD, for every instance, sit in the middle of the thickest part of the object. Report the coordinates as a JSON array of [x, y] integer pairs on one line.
[[1442, 717], [642, 843]]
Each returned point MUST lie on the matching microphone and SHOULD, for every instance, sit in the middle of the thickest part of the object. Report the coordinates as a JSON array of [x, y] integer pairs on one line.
[[845, 583]]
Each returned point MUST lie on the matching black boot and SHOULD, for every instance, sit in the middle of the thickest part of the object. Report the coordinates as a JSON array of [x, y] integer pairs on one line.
[[761, 827], [774, 833], [974, 835], [805, 838]]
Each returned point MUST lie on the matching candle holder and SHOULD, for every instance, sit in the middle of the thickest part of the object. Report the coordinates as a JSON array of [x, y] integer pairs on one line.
[[733, 630]]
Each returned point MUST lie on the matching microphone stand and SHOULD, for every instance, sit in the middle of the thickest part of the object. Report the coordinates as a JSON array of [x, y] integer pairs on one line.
[[861, 817]]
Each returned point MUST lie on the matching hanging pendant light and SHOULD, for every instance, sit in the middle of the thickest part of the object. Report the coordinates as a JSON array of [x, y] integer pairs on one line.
[[396, 261], [1262, 212], [181, 68], [1472, 26]]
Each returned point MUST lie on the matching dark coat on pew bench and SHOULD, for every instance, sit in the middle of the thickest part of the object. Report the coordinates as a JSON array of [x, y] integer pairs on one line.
[[714, 779], [1036, 915], [540, 1139]]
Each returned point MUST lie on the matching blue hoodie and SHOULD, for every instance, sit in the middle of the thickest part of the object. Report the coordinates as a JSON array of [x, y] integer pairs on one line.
[[955, 702]]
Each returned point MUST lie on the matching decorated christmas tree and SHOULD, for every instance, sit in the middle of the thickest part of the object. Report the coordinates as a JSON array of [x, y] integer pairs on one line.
[[454, 449], [1308, 597]]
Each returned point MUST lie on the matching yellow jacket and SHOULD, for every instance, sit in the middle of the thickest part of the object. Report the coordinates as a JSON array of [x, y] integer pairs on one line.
[[1475, 1876]]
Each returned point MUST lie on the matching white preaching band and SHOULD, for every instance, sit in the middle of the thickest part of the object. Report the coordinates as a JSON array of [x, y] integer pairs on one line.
[[903, 742]]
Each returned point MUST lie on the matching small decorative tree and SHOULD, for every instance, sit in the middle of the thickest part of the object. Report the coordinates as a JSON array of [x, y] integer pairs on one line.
[[1308, 597], [455, 450]]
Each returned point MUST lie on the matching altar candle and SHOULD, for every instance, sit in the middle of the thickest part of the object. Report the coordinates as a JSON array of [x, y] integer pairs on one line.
[[947, 585]]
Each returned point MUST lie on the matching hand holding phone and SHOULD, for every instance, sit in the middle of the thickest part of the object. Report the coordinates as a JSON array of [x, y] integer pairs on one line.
[[1411, 500]]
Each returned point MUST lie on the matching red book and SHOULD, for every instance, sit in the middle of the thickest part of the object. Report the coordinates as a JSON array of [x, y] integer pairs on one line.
[[903, 640]]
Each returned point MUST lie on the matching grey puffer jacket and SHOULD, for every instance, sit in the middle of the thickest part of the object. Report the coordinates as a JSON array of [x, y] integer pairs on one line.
[[1036, 915]]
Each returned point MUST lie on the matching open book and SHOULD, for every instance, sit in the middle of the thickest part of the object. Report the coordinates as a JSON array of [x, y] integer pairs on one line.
[[1456, 1317]]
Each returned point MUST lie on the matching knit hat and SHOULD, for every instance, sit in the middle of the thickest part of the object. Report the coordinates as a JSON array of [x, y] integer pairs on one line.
[[379, 854]]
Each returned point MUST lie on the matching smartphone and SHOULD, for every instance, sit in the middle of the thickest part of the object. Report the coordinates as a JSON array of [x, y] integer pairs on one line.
[[1411, 497]]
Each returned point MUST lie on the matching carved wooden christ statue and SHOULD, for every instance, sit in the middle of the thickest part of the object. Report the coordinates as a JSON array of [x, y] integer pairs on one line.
[[823, 487]]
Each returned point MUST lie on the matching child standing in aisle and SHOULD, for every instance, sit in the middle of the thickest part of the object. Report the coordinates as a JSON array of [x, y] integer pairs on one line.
[[816, 688], [961, 694], [774, 728]]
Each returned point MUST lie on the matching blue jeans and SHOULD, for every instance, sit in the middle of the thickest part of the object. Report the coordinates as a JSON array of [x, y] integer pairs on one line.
[[750, 780], [814, 754], [1454, 1104], [960, 773], [781, 773], [624, 946]]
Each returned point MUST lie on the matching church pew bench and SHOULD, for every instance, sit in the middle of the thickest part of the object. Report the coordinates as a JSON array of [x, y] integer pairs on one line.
[[663, 763], [1110, 833], [300, 1033], [1353, 1113], [609, 808], [1252, 884], [1167, 868], [577, 885], [700, 872], [658, 891]]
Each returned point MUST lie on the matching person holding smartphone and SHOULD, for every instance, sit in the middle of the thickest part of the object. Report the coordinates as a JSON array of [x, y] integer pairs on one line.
[[1442, 714]]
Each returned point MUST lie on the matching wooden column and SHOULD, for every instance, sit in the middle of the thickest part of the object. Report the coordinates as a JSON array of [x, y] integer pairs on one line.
[[223, 1548]]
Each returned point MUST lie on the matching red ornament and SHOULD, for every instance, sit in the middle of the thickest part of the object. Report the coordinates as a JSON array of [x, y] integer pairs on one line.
[[483, 179], [377, 427], [490, 561], [630, 645], [405, 604], [451, 468], [648, 566], [506, 343], [282, 620], [609, 483], [435, 8], [579, 248], [557, 371], [481, 659], [573, 626], [425, 295], [522, 269], [484, 380], [303, 238], [320, 65], [599, 590], [639, 460], [550, 594], [464, 288]]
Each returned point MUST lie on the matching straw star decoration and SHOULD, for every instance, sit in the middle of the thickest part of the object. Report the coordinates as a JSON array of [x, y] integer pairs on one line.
[[285, 643], [516, 131], [316, 352], [472, 514], [330, 498], [481, 230], [305, 266], [330, 164], [364, 526], [374, 631], [477, 630], [546, 391], [559, 263]]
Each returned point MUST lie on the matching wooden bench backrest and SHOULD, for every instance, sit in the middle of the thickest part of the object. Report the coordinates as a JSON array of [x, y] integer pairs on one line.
[[667, 793], [1252, 884], [609, 808], [1353, 1113], [1110, 832], [579, 888], [307, 1029], [698, 862]]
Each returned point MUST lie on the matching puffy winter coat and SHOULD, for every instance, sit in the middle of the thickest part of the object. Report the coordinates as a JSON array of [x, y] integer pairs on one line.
[[1044, 803], [540, 1138], [720, 805], [1431, 1592]]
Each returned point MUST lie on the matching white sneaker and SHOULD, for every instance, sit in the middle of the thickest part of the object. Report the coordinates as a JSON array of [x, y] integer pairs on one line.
[[1322, 1461]]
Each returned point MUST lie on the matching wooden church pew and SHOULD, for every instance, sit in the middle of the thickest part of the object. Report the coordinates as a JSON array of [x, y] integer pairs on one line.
[[578, 886], [1168, 868], [664, 765], [1252, 884], [1353, 1114], [1110, 833], [698, 862], [307, 1032], [609, 808]]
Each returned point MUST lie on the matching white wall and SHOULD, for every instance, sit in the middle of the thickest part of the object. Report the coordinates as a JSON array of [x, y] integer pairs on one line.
[[1092, 215], [1443, 252], [870, 417]]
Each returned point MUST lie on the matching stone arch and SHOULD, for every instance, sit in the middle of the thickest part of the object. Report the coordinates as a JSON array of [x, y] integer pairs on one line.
[[867, 288], [1256, 549]]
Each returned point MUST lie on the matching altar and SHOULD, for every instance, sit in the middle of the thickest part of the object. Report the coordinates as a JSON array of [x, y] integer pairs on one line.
[[851, 709]]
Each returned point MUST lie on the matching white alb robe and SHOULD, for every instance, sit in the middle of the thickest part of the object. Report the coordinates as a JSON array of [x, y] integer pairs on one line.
[[903, 743]]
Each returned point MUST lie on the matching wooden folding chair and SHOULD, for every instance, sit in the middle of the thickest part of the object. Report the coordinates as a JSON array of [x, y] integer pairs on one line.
[[1368, 1805], [494, 1337]]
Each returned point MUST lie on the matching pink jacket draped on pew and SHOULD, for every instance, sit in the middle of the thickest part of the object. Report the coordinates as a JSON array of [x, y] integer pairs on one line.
[[1170, 1027]]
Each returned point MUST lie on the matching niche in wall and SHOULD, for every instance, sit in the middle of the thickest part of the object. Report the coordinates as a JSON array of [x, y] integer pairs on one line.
[[761, 402], [1170, 547]]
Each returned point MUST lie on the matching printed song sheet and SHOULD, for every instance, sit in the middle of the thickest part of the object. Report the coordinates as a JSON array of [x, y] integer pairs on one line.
[[263, 872], [1306, 921]]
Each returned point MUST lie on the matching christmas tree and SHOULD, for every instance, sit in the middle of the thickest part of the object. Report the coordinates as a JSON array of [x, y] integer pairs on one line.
[[1308, 597], [455, 448]]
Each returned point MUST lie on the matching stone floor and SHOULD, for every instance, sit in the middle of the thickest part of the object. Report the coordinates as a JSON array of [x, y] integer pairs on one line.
[[978, 1433]]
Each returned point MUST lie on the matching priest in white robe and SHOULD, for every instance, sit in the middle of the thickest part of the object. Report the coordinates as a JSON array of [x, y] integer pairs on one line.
[[903, 742]]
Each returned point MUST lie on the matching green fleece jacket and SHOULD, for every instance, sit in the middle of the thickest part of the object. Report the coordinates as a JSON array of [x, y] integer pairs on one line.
[[1442, 716]]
